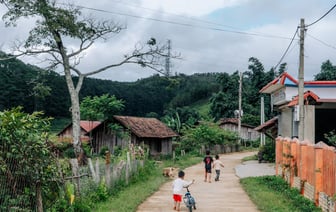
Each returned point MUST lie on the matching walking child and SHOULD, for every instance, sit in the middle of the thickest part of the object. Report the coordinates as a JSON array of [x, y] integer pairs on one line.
[[216, 165], [178, 185], [208, 160]]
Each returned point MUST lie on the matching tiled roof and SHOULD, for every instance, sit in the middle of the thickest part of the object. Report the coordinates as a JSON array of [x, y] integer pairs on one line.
[[268, 124], [89, 125], [306, 96], [288, 80], [233, 121], [280, 81], [146, 127]]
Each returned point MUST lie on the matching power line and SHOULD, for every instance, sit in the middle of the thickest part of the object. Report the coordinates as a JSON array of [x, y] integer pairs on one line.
[[324, 43], [321, 17], [296, 31], [185, 24]]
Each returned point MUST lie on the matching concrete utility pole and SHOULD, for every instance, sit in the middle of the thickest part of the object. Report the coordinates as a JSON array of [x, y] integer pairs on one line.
[[301, 82], [168, 71], [262, 120], [240, 109]]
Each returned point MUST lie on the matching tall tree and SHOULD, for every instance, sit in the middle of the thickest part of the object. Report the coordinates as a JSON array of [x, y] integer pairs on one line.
[[328, 71], [100, 107], [56, 25]]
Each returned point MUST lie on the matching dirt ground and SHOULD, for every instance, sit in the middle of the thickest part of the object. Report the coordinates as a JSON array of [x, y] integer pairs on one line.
[[224, 195]]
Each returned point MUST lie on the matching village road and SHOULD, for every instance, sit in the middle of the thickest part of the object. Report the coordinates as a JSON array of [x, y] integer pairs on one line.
[[224, 195]]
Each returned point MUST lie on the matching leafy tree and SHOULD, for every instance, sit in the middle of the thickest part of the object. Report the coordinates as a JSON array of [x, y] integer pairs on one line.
[[56, 25], [328, 71], [282, 68], [223, 103], [100, 108], [206, 134], [26, 162], [179, 118]]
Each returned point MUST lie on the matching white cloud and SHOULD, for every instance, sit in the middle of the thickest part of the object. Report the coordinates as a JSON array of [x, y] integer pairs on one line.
[[190, 7], [208, 47]]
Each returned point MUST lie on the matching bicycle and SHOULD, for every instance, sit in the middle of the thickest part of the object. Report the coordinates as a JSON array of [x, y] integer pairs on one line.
[[189, 200]]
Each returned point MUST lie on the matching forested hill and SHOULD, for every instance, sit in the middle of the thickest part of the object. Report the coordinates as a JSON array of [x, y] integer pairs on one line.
[[39, 90]]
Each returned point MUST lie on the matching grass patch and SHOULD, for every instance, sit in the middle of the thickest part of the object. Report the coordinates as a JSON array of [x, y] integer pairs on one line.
[[272, 193], [252, 157], [127, 198]]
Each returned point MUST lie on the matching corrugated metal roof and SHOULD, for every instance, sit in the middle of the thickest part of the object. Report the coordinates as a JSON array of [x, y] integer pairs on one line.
[[146, 127]]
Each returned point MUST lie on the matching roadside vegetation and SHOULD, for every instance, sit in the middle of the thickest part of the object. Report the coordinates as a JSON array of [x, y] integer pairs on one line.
[[272, 193], [128, 198]]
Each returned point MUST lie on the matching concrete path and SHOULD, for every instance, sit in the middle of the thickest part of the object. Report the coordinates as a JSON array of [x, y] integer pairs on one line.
[[224, 195]]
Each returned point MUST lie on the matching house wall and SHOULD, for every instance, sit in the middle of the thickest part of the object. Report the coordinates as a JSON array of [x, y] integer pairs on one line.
[[104, 137], [159, 146], [66, 135], [246, 133], [324, 92], [167, 146], [285, 123], [309, 120]]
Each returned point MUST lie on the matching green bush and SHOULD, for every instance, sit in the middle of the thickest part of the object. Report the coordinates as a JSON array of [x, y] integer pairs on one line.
[[268, 151], [206, 134], [103, 151]]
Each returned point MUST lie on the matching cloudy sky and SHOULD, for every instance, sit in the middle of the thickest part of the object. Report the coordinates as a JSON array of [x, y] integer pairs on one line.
[[211, 36]]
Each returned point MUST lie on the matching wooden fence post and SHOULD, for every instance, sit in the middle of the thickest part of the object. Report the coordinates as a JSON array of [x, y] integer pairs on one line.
[[93, 173], [75, 173], [127, 168], [97, 171], [108, 168]]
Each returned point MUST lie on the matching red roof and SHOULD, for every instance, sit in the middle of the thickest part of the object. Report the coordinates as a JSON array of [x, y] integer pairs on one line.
[[278, 82], [306, 96], [268, 124], [146, 127], [89, 125]]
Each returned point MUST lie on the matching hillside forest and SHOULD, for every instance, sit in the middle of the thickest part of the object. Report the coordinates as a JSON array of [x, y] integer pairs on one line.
[[206, 96]]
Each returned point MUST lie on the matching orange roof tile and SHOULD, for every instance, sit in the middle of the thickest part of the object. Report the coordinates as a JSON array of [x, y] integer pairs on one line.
[[279, 81], [307, 94]]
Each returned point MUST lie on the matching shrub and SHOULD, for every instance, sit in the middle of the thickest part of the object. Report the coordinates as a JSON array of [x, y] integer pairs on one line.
[[267, 152]]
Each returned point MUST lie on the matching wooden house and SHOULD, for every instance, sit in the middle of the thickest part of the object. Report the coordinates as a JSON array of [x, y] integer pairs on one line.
[[149, 132], [86, 129], [247, 132]]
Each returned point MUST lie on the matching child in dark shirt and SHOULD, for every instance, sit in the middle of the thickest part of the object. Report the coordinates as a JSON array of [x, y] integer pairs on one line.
[[208, 160]]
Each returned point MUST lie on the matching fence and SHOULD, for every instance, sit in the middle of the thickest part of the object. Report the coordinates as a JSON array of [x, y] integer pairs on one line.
[[97, 171], [19, 192], [309, 168]]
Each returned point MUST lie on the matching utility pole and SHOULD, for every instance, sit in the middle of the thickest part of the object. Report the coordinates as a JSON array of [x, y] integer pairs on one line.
[[239, 106], [301, 82], [262, 120], [168, 71]]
